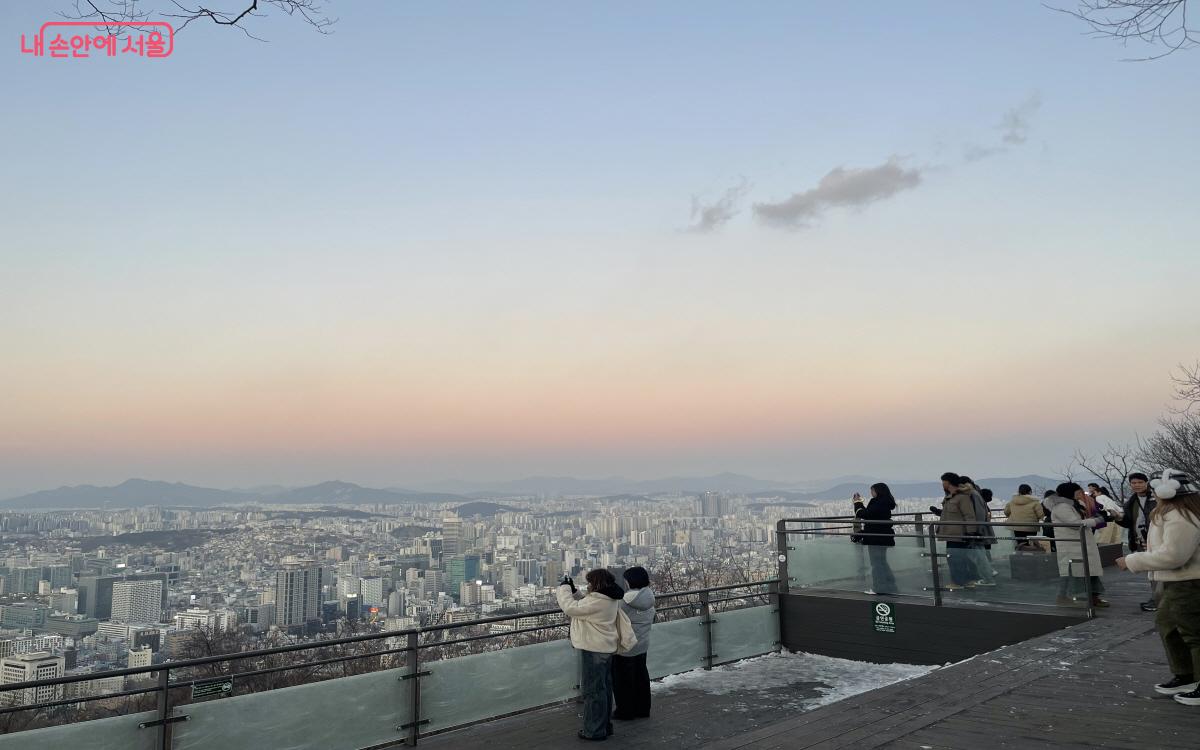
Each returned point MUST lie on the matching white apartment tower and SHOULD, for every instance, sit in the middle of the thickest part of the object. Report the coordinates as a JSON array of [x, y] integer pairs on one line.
[[297, 594], [137, 601]]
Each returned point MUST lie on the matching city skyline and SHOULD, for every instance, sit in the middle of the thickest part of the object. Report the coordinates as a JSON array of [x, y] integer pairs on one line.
[[483, 242]]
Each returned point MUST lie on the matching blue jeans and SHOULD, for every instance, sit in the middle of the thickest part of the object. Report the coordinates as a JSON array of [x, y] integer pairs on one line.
[[882, 580], [960, 560], [596, 687], [983, 565]]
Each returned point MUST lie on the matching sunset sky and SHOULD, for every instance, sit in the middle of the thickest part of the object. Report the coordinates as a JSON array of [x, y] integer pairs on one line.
[[488, 240]]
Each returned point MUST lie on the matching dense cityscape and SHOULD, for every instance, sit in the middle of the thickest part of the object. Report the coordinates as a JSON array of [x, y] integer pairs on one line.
[[85, 591]]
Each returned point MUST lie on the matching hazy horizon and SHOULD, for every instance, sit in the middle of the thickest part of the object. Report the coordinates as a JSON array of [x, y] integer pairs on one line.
[[480, 240]]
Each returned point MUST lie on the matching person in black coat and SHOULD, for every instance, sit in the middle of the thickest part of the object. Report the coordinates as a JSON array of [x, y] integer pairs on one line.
[[1138, 508], [878, 536]]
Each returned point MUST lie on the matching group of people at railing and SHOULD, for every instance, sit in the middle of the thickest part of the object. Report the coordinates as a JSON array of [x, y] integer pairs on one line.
[[610, 627], [1162, 518]]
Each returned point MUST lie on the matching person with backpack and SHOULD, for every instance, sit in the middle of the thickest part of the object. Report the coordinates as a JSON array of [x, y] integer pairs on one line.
[[599, 629], [878, 536], [1172, 558]]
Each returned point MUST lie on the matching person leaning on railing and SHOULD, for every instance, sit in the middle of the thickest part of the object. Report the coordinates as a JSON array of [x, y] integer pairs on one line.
[[630, 678], [599, 629], [1173, 560]]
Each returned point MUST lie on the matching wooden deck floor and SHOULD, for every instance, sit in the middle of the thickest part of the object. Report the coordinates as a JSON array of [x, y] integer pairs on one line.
[[1085, 687]]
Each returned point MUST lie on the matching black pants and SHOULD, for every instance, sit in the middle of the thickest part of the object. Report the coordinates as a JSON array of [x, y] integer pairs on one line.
[[631, 687]]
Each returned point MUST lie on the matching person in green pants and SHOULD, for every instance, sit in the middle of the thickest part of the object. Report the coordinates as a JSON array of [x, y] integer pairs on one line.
[[1172, 558]]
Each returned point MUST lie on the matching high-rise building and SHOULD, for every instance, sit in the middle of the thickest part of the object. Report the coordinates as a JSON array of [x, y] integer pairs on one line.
[[23, 616], [711, 505], [396, 602], [137, 601], [64, 601], [40, 665], [469, 593], [452, 536], [371, 591], [96, 592], [298, 594], [462, 568]]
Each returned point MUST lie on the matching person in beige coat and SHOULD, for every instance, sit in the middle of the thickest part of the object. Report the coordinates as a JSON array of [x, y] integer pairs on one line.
[[1024, 508], [1172, 559], [599, 629]]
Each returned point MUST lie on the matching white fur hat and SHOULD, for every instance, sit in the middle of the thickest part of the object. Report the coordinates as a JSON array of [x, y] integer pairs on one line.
[[1173, 482]]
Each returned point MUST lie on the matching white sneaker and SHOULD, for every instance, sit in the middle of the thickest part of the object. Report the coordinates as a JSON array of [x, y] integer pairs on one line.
[[869, 591], [1189, 699]]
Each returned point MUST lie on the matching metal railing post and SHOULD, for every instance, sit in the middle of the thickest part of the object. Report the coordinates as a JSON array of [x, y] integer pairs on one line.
[[706, 623], [774, 598], [1087, 569], [782, 545], [164, 709], [414, 675], [919, 529], [935, 568]]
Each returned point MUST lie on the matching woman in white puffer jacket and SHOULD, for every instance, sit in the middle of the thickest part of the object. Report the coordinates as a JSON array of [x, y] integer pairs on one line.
[[1172, 558], [599, 629]]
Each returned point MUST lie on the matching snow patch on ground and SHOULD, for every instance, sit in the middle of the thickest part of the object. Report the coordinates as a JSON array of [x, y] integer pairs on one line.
[[832, 679]]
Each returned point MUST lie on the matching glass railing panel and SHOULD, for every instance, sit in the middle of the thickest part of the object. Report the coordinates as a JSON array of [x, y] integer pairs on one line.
[[740, 633], [480, 686], [114, 733], [833, 562], [1013, 571], [676, 646], [347, 712]]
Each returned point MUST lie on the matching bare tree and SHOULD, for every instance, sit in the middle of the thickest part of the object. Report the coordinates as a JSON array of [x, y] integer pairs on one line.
[[1111, 466], [1176, 444], [1162, 23], [1187, 388], [110, 14]]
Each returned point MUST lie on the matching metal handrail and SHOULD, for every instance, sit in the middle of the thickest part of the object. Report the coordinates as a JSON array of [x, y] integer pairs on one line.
[[204, 660]]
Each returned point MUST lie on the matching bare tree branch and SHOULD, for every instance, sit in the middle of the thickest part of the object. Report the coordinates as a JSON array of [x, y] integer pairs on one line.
[[1162, 23], [106, 14]]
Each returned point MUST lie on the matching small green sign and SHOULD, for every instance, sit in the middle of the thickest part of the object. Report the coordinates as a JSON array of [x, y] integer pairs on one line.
[[883, 615], [220, 687]]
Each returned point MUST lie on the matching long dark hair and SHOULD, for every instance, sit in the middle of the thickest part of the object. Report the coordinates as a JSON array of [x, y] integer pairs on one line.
[[884, 493]]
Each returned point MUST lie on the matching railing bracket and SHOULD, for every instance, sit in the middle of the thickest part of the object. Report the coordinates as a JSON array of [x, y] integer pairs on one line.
[[159, 722], [412, 675], [411, 724]]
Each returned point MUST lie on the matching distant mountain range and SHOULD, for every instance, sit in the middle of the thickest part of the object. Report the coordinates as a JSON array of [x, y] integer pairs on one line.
[[1003, 487], [566, 486], [137, 493]]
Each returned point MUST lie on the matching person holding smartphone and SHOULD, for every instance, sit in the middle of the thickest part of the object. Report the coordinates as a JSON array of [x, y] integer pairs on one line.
[[878, 536]]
